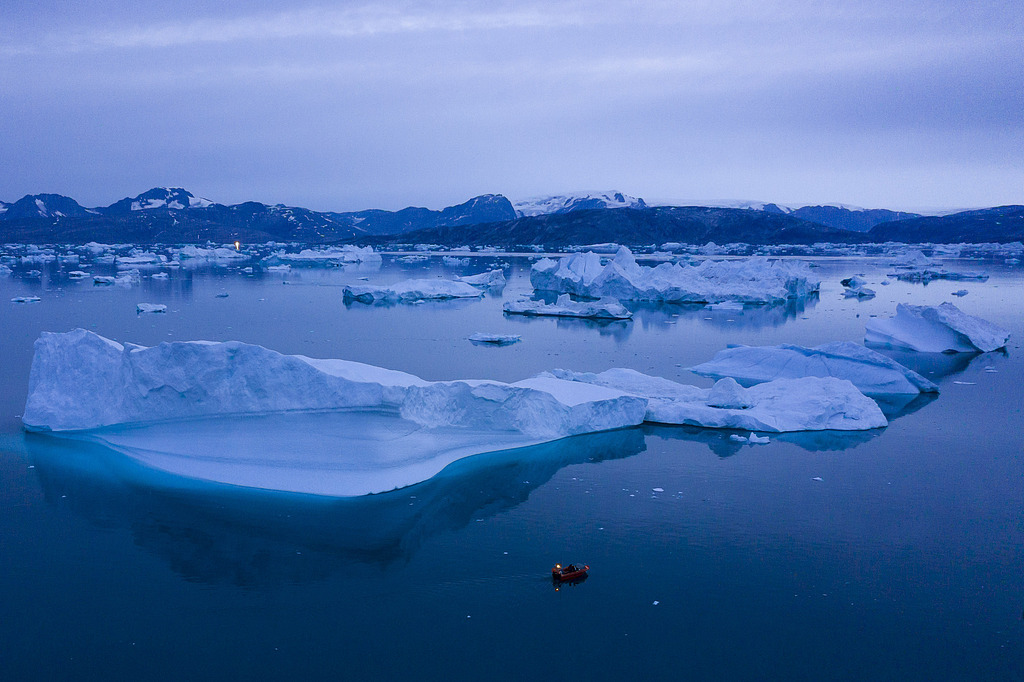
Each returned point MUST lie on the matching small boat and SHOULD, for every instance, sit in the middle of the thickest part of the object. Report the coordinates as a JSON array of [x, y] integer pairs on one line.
[[568, 573]]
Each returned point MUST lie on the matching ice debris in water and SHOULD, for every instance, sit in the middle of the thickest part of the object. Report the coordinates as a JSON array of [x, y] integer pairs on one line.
[[935, 329], [151, 308], [410, 291], [868, 370], [26, 299], [752, 280], [564, 306]]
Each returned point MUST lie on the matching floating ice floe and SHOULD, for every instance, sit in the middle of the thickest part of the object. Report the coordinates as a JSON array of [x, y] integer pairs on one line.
[[491, 278], [495, 339], [410, 290], [805, 404], [160, 275], [198, 253], [926, 275], [330, 256], [935, 329], [454, 261], [564, 306], [871, 372], [26, 299], [77, 274], [151, 308], [752, 280]]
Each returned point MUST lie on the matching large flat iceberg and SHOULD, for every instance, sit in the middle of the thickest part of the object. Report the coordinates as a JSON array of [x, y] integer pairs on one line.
[[868, 370], [410, 291], [321, 426], [751, 280], [80, 380], [935, 329], [806, 404]]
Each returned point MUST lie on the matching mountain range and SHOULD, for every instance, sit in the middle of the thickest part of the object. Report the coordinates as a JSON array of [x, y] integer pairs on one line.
[[175, 215]]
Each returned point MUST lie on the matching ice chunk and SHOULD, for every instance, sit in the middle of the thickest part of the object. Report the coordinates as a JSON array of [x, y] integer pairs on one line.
[[495, 339], [935, 329], [80, 380], [805, 404], [410, 290], [868, 370], [26, 299], [728, 395], [758, 440], [150, 308], [77, 274], [603, 309], [752, 280], [491, 278]]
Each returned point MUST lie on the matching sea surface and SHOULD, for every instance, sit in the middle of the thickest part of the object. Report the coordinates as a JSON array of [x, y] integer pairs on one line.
[[891, 554]]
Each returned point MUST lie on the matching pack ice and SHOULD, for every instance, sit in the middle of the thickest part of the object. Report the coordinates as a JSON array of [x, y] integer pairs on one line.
[[871, 372], [935, 329], [751, 280], [803, 404]]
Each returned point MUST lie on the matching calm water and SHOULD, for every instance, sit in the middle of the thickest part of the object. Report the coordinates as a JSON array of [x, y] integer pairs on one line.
[[903, 562]]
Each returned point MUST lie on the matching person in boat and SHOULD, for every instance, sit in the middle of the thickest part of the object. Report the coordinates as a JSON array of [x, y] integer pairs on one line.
[[569, 569]]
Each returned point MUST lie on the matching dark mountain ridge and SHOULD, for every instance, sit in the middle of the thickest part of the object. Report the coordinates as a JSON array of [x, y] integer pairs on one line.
[[174, 215]]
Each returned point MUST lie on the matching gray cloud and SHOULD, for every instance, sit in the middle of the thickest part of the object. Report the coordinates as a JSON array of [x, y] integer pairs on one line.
[[349, 105]]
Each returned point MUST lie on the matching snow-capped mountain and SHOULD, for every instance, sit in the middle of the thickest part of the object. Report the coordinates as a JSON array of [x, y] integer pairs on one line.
[[159, 197], [44, 206], [577, 201]]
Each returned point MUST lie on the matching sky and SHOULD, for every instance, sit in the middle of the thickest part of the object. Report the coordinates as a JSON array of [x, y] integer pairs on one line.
[[352, 105]]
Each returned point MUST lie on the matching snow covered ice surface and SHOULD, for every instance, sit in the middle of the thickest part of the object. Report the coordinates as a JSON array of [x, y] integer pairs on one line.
[[491, 278], [805, 404], [751, 280], [495, 339], [868, 370], [146, 400], [330, 256], [935, 329], [564, 306], [411, 290]]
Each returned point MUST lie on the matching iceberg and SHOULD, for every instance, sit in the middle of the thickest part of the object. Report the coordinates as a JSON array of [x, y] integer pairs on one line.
[[870, 371], [782, 405], [330, 256], [411, 290], [564, 306], [80, 380], [935, 329], [495, 339], [491, 278], [752, 280]]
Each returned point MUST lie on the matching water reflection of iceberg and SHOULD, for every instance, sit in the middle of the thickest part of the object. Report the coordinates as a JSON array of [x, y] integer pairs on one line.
[[751, 317], [935, 366], [218, 534]]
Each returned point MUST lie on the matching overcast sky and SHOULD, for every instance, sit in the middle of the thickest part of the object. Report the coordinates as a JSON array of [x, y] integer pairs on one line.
[[352, 105]]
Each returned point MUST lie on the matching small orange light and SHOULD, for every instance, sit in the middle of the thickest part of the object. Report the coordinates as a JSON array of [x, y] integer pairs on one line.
[[238, 246]]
